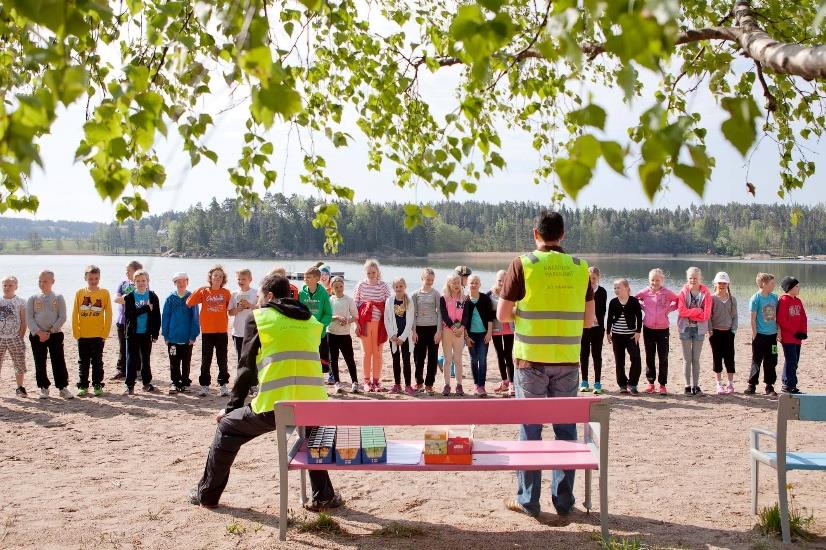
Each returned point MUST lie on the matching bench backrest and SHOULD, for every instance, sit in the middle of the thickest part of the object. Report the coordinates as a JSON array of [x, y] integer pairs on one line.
[[560, 410], [812, 407]]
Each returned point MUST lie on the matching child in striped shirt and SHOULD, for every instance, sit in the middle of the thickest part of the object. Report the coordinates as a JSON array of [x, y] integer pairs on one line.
[[624, 327]]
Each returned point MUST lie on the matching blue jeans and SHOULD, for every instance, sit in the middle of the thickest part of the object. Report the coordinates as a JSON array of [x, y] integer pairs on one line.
[[536, 383], [791, 356], [478, 358]]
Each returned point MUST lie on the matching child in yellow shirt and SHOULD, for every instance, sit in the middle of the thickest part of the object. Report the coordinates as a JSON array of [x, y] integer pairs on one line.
[[91, 323]]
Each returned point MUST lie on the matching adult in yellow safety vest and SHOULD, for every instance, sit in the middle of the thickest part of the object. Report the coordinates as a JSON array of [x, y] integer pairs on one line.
[[280, 350], [548, 296]]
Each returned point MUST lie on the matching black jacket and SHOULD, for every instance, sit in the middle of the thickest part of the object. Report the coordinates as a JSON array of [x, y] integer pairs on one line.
[[131, 313], [632, 310], [247, 375], [600, 302], [485, 307]]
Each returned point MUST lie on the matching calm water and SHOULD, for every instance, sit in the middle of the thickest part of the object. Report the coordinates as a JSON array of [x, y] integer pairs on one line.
[[69, 272]]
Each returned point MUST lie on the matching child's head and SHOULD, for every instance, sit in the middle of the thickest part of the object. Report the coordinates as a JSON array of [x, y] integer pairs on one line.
[[464, 272], [474, 283], [621, 288], [399, 286], [593, 275], [337, 284], [244, 278], [273, 287], [721, 282], [790, 286], [656, 278], [181, 281], [131, 268], [325, 273], [9, 286], [428, 276], [141, 279], [500, 277], [312, 275], [765, 282], [453, 286], [45, 281], [372, 270], [280, 271], [694, 276], [92, 276], [216, 276]]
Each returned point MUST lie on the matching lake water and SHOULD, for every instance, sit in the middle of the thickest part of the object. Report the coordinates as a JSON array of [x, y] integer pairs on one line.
[[69, 272]]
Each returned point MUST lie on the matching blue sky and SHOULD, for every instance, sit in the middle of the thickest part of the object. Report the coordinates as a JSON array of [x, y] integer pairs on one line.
[[66, 190]]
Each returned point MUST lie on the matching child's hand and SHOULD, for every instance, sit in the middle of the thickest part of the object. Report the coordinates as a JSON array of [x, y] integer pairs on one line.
[[414, 337], [151, 307], [608, 335], [220, 415], [637, 338], [438, 338]]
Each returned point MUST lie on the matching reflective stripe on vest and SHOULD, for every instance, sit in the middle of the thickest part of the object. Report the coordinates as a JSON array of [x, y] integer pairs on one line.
[[549, 319], [289, 367]]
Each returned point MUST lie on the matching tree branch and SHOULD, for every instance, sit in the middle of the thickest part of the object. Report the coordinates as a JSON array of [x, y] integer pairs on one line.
[[771, 101]]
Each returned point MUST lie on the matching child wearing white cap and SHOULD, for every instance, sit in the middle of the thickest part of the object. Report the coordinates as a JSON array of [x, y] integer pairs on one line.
[[723, 328], [180, 327]]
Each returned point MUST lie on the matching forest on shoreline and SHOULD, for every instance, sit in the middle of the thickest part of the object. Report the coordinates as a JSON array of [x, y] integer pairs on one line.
[[281, 226]]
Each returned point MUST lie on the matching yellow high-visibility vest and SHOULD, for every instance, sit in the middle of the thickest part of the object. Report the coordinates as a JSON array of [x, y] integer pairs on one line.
[[549, 319], [289, 367]]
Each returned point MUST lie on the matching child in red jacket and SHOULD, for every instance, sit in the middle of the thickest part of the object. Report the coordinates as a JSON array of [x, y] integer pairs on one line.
[[791, 320]]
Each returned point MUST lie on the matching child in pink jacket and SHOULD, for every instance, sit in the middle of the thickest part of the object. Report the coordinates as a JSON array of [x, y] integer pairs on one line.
[[693, 313], [656, 302]]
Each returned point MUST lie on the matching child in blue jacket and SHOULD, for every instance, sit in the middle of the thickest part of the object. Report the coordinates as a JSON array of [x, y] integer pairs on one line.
[[179, 327]]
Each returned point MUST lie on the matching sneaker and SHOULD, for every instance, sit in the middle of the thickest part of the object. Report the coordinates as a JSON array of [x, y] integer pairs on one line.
[[330, 379], [97, 390], [512, 391], [65, 393], [795, 391], [750, 390], [446, 390], [43, 393], [193, 498], [729, 389], [337, 388], [356, 388], [460, 392], [720, 389], [480, 391], [409, 390], [396, 388], [428, 391], [597, 388], [696, 391], [21, 392], [130, 390], [322, 505], [224, 391], [649, 388], [663, 390], [633, 390], [82, 392], [183, 389], [379, 387], [503, 386], [173, 390], [583, 387], [770, 391], [623, 389], [203, 391], [119, 375], [687, 390], [149, 388]]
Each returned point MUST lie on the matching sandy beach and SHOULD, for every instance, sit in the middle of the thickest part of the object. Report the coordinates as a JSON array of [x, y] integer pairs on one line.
[[113, 472]]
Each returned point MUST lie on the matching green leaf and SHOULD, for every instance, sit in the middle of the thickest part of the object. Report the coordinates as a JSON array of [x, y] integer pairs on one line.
[[739, 129], [694, 177], [614, 155], [257, 62], [586, 150], [591, 115], [573, 176], [312, 5], [651, 175]]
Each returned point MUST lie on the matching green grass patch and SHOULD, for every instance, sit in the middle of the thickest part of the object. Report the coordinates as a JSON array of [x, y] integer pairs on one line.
[[398, 531], [632, 543], [235, 528], [799, 523], [322, 523]]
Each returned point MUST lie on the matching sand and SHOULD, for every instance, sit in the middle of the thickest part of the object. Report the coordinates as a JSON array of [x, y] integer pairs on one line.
[[113, 472]]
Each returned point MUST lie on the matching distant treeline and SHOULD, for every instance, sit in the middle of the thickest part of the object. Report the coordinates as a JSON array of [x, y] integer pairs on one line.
[[282, 226]]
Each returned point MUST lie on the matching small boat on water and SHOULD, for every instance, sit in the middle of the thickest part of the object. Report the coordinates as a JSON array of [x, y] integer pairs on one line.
[[299, 276]]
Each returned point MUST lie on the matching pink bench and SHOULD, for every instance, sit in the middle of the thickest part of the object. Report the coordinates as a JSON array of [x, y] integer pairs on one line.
[[590, 455]]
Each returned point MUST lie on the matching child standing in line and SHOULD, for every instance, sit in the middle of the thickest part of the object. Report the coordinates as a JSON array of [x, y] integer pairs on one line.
[[624, 328], [283, 272], [371, 293], [214, 320], [503, 341], [723, 328], [142, 313], [656, 302], [763, 307], [91, 324], [315, 297], [793, 325], [326, 278], [240, 308], [399, 317], [452, 305], [180, 327], [125, 287], [477, 319], [693, 312], [338, 333], [45, 317], [592, 337], [427, 331], [12, 330]]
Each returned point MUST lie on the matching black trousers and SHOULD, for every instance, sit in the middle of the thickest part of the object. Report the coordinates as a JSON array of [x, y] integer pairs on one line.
[[324, 354], [656, 346], [90, 353], [121, 366], [239, 342], [621, 344], [722, 349], [236, 428], [503, 344], [426, 348], [764, 351], [591, 345], [342, 343], [402, 355], [41, 351], [214, 342], [180, 358], [138, 353]]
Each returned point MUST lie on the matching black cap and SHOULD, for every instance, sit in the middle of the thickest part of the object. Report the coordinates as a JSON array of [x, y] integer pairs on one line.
[[788, 283], [463, 271]]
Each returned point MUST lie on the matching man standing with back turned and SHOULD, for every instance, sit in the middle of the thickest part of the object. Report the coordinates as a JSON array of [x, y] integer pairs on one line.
[[548, 296]]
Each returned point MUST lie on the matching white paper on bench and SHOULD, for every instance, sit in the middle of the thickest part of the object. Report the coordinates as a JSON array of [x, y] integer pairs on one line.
[[404, 453]]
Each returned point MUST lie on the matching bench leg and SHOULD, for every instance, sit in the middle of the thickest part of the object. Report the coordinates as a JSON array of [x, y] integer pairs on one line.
[[603, 501], [283, 483], [588, 476], [754, 472], [303, 487], [783, 504]]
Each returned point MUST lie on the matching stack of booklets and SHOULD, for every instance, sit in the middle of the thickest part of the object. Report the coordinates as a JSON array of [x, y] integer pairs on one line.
[[448, 445], [373, 445], [348, 445], [320, 444]]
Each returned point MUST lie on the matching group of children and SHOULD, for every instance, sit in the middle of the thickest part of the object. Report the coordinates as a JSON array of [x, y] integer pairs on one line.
[[700, 311]]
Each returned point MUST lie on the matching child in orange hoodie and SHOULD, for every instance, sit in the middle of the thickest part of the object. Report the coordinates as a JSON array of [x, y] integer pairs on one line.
[[214, 324]]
